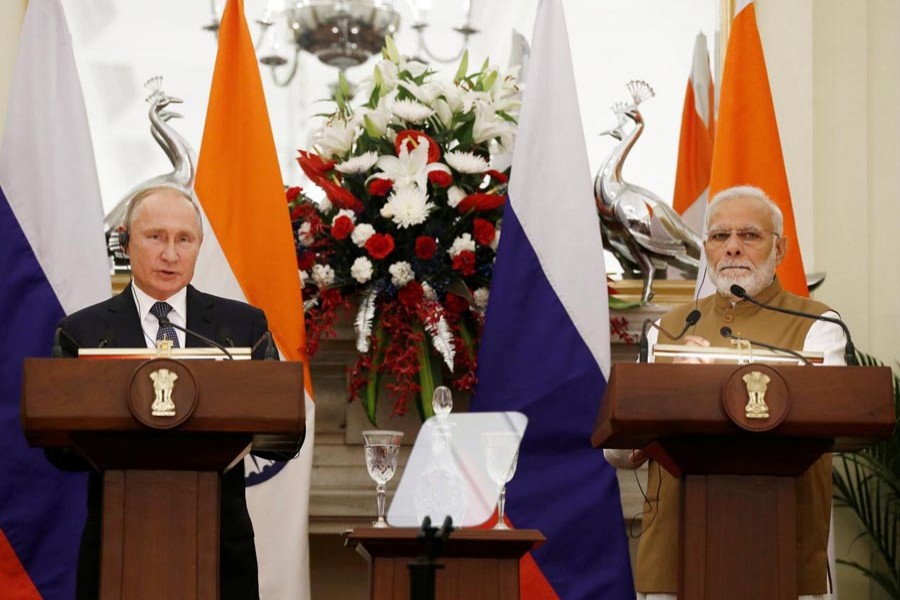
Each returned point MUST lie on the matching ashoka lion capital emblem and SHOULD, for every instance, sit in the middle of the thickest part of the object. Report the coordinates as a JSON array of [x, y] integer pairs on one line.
[[163, 384], [757, 384]]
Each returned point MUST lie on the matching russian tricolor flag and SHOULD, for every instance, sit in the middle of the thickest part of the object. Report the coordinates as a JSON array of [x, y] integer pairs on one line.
[[545, 348], [53, 262]]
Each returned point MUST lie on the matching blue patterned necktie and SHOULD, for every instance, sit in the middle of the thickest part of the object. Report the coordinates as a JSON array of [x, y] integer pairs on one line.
[[160, 310]]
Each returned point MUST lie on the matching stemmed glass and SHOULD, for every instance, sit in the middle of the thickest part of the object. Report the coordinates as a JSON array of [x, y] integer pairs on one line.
[[382, 453], [502, 456]]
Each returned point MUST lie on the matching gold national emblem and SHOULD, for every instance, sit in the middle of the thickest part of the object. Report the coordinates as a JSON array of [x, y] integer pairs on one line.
[[163, 384], [757, 383]]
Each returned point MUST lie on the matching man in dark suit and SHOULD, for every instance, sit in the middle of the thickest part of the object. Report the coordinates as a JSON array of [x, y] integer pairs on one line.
[[162, 235]]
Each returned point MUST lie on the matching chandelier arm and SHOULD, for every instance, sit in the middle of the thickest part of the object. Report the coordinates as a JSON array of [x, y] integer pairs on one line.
[[424, 47], [287, 81]]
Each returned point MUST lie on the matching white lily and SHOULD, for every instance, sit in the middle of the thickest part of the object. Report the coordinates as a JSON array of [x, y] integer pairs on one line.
[[489, 126], [409, 167], [336, 138]]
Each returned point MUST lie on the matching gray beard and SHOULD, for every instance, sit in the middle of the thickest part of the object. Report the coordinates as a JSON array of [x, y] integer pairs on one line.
[[753, 282]]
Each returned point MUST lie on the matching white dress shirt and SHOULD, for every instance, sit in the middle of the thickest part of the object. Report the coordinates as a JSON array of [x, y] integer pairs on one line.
[[149, 322]]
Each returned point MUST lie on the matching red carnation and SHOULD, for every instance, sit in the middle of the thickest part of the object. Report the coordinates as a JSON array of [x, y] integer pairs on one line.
[[411, 294], [497, 175], [306, 261], [440, 178], [415, 138], [425, 247], [379, 245], [292, 192], [464, 262], [483, 231], [342, 227], [380, 187], [456, 304], [480, 202]]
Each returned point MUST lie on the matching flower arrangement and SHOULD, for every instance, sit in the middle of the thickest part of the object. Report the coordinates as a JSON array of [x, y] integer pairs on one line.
[[409, 224]]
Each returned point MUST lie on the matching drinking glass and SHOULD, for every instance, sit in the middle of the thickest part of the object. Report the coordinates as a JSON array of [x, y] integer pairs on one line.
[[502, 455], [382, 452]]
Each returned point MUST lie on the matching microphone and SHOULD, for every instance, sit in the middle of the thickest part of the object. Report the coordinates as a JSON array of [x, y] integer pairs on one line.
[[643, 346], [270, 352], [726, 333], [58, 351], [165, 322], [849, 350], [108, 336]]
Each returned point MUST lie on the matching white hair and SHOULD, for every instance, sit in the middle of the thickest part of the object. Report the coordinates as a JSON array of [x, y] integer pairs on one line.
[[747, 191]]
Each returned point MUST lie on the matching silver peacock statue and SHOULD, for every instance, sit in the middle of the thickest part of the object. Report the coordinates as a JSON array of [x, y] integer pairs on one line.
[[179, 152], [644, 233]]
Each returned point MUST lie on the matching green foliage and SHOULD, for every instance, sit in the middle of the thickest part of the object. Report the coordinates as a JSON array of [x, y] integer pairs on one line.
[[868, 483]]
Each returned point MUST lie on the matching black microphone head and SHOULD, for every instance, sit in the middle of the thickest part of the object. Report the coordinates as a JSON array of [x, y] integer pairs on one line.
[[737, 291], [693, 317], [725, 332]]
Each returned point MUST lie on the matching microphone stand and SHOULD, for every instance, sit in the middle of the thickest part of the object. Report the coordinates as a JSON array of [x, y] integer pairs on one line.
[[423, 570]]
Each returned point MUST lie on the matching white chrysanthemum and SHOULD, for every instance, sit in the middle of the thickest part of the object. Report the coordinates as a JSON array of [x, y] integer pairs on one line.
[[455, 195], [409, 167], [463, 242], [481, 298], [466, 162], [411, 111], [344, 213], [361, 269], [304, 235], [406, 206], [401, 273], [429, 292], [336, 138], [322, 275], [361, 234], [324, 205], [358, 164], [304, 276]]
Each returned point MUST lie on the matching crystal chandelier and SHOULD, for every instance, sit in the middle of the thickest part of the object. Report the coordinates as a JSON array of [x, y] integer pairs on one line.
[[340, 33]]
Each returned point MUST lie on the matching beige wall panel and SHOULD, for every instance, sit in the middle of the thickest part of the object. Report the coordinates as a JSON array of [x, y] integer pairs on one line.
[[884, 179], [786, 31], [11, 14]]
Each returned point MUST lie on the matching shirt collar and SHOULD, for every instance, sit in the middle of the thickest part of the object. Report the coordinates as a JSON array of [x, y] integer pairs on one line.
[[765, 296], [178, 302]]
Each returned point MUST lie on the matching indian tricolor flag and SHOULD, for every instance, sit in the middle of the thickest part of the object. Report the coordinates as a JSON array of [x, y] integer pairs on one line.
[[248, 254], [695, 145], [748, 149]]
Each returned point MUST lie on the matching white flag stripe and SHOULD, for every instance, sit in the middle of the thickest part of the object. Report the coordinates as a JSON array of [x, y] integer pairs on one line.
[[47, 161], [551, 91]]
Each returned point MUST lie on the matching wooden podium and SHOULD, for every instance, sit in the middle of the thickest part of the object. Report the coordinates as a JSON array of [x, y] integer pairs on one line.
[[738, 469], [478, 564], [162, 448]]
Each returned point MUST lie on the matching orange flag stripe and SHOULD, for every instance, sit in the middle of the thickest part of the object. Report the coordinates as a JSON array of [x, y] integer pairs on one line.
[[17, 585], [240, 187], [748, 148], [695, 151]]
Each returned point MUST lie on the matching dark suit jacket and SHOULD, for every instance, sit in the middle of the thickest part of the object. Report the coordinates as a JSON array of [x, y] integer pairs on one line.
[[115, 323]]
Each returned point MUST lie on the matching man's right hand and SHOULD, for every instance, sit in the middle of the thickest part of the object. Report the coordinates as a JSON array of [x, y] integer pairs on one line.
[[694, 340]]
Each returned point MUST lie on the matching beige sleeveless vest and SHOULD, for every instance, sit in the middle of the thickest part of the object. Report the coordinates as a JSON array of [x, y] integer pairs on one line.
[[657, 560]]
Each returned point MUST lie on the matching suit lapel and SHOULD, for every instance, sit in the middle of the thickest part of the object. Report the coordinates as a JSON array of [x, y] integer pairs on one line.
[[125, 321], [200, 313]]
